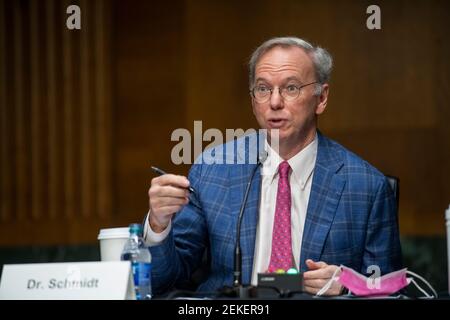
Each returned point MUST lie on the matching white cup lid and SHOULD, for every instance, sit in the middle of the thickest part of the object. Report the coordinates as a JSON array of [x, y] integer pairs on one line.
[[113, 233]]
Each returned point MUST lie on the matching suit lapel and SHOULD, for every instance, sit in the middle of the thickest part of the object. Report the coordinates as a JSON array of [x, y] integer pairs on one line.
[[324, 198], [325, 195]]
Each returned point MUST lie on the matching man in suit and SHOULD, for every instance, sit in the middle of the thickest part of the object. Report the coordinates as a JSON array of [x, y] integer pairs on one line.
[[312, 206]]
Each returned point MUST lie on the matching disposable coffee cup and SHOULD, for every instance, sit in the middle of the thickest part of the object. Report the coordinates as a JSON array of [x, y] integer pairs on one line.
[[112, 241]]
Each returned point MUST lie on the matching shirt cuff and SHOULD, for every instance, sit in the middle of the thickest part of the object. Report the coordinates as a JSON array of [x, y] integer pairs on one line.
[[152, 238]]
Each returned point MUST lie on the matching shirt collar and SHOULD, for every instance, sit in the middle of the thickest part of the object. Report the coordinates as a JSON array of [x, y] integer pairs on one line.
[[302, 164]]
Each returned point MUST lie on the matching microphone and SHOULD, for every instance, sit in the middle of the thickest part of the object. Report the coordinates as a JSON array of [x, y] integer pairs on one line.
[[237, 279]]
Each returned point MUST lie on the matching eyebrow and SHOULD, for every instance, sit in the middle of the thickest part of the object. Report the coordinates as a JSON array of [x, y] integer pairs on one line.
[[286, 80], [292, 78], [261, 79]]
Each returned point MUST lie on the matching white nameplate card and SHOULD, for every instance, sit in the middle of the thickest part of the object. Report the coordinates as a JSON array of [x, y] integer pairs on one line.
[[67, 281]]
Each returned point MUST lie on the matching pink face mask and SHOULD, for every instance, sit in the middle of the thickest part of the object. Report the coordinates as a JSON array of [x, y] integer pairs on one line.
[[360, 285]]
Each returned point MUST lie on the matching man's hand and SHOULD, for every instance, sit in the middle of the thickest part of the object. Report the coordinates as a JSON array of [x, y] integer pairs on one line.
[[167, 195], [318, 275]]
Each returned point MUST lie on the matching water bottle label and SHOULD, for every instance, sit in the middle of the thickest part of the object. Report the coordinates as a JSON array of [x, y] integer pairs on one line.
[[142, 280], [142, 273]]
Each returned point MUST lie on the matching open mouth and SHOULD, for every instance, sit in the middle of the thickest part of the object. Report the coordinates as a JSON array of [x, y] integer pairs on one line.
[[276, 123]]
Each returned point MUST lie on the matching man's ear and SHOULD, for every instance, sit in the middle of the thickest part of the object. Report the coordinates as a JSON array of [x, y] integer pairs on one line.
[[253, 106], [323, 98]]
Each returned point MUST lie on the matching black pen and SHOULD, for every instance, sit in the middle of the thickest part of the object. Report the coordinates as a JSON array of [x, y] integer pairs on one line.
[[161, 172]]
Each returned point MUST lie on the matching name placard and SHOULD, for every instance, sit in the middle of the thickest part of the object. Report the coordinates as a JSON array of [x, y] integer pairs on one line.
[[67, 281]]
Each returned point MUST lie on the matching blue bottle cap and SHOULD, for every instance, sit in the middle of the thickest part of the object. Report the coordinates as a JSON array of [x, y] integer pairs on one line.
[[135, 228]]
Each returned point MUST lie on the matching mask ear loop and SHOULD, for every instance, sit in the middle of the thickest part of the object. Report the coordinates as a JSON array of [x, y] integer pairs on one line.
[[424, 281], [328, 285]]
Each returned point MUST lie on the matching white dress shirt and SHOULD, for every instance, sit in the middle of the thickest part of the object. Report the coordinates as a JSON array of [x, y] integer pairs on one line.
[[300, 178]]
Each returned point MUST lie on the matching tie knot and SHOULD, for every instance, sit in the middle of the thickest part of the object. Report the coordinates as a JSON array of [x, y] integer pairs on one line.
[[283, 169]]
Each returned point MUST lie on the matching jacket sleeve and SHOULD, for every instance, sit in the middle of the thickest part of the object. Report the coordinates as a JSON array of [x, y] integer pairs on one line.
[[382, 245], [174, 260]]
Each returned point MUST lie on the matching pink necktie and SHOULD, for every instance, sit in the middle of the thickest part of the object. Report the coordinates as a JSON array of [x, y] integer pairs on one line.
[[281, 256]]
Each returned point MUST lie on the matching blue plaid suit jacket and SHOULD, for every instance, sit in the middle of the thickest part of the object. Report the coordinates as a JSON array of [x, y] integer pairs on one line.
[[351, 219]]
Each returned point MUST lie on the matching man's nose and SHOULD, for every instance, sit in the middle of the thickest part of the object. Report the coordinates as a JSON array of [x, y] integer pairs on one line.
[[276, 100]]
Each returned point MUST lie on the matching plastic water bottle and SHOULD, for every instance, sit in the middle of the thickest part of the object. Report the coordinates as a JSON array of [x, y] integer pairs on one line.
[[138, 253]]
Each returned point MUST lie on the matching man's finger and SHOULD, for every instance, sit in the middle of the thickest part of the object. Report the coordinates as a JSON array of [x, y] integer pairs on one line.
[[310, 290], [315, 265], [316, 283], [169, 210], [317, 274], [324, 273], [168, 191], [172, 179], [169, 201]]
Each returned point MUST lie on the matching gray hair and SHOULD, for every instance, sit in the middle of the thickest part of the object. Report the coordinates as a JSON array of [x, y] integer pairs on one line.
[[322, 60]]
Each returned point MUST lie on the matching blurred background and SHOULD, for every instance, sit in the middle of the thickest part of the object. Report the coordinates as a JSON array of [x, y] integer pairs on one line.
[[84, 113]]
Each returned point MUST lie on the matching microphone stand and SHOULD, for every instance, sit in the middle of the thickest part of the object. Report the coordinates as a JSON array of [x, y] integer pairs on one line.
[[238, 289]]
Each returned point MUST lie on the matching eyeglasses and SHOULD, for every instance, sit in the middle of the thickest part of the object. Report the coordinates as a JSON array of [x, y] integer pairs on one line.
[[291, 92]]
